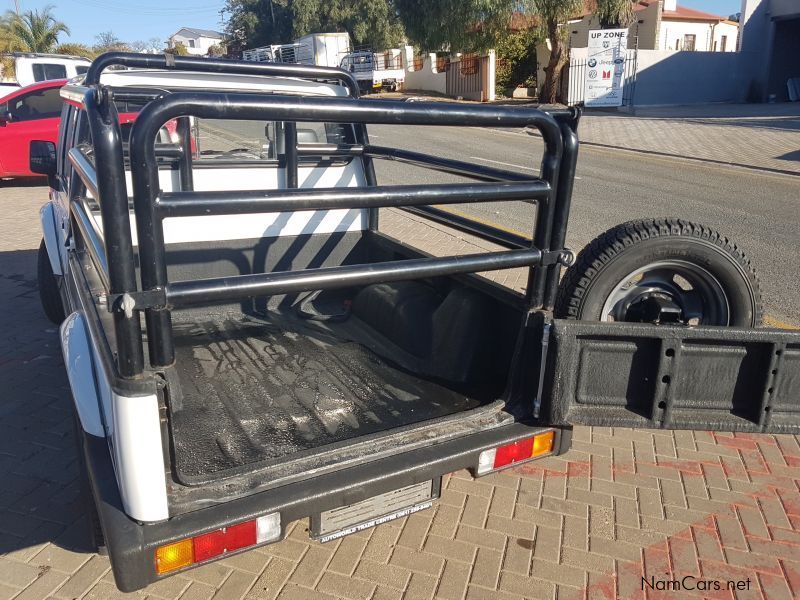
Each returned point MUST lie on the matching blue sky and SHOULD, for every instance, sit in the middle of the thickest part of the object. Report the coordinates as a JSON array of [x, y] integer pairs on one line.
[[132, 20]]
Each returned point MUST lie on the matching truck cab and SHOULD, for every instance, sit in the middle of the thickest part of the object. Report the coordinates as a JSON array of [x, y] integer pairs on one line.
[[245, 347]]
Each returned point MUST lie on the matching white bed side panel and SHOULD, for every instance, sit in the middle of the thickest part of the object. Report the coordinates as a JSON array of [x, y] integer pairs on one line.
[[239, 227]]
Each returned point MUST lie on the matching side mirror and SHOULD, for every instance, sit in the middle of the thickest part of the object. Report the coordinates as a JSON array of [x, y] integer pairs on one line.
[[43, 158], [5, 118]]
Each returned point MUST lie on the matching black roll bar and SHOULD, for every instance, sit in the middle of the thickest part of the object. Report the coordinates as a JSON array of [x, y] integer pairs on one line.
[[185, 204], [150, 210], [222, 289], [112, 196], [551, 191]]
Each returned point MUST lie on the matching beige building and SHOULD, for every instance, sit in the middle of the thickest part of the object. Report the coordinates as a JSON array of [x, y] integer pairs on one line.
[[664, 25]]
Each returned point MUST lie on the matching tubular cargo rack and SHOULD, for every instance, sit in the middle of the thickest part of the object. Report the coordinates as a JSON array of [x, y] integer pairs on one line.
[[103, 176]]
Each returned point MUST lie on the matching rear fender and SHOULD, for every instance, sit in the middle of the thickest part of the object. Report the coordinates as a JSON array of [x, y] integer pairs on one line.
[[47, 215], [79, 362]]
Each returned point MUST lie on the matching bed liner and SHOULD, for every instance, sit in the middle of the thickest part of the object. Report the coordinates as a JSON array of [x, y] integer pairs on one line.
[[257, 388]]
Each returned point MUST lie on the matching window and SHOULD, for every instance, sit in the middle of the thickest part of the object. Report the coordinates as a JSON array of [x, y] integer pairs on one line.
[[42, 104], [191, 43], [81, 69], [225, 139], [723, 43], [47, 71], [689, 41]]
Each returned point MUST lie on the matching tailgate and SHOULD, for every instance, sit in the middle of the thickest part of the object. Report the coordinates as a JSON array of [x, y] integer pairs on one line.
[[659, 377]]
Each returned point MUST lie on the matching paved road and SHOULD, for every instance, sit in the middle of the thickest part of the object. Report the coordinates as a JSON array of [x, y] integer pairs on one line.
[[761, 211]]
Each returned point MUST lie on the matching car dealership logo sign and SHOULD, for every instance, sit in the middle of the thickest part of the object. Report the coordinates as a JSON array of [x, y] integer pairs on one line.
[[607, 50]]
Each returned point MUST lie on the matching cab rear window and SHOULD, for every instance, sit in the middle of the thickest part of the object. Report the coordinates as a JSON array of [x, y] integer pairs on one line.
[[47, 71]]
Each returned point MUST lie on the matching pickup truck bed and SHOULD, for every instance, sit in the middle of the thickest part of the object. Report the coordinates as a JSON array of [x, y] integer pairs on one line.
[[258, 388], [260, 383]]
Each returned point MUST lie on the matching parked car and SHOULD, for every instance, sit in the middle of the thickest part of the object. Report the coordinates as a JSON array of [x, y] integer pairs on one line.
[[26, 114], [34, 113], [300, 363]]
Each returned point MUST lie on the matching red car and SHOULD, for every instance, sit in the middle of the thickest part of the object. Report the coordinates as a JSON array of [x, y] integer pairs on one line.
[[33, 113], [26, 114]]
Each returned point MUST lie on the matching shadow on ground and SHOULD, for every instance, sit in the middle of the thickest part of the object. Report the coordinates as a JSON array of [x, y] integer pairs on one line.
[[40, 492], [22, 182]]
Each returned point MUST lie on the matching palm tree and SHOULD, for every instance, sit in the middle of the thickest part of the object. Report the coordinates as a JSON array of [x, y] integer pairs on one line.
[[614, 14], [32, 31]]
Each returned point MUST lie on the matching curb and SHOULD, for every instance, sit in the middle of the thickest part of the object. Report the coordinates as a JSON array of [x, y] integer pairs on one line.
[[694, 159]]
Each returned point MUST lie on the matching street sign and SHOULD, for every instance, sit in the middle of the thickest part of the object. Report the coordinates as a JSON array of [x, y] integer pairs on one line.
[[606, 67]]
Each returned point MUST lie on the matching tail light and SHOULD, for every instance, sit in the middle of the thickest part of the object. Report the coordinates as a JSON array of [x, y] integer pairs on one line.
[[519, 451], [201, 548]]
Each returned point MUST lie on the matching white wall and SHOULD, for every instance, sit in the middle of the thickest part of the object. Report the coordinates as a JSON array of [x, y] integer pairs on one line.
[[666, 77], [426, 79], [672, 32], [731, 31], [202, 44]]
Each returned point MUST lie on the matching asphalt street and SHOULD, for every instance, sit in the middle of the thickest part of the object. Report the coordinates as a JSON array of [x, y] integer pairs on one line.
[[760, 211]]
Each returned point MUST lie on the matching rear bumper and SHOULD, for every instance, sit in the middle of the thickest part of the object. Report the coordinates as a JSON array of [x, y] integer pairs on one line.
[[131, 545]]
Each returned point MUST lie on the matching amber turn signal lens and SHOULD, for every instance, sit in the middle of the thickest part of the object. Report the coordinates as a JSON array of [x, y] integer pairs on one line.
[[543, 443], [174, 556]]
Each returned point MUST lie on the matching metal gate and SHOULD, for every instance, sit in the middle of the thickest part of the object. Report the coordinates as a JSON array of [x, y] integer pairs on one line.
[[576, 74], [468, 78]]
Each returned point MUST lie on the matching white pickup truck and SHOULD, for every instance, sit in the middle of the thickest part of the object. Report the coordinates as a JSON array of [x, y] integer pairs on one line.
[[31, 68], [374, 72], [245, 346]]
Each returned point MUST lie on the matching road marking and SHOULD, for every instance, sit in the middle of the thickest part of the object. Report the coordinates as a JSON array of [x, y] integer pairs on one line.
[[777, 323], [500, 162], [484, 221]]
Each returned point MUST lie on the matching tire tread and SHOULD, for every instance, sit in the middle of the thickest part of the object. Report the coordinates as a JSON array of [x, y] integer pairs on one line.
[[610, 244]]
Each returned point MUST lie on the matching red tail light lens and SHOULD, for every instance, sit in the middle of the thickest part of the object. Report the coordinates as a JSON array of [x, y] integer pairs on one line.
[[224, 540], [521, 450], [512, 453]]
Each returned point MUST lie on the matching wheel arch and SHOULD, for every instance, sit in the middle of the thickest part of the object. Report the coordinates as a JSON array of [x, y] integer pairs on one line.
[[79, 361]]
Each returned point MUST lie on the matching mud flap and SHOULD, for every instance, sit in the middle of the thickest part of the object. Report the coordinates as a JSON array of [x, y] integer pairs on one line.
[[658, 377]]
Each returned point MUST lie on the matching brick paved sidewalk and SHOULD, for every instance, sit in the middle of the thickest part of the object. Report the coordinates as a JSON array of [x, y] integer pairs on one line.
[[765, 136], [621, 505]]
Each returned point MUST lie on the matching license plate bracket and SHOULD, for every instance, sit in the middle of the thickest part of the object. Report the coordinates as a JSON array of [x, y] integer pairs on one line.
[[338, 522]]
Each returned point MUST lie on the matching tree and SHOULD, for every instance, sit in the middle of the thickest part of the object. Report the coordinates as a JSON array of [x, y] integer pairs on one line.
[[178, 50], [254, 23], [31, 31], [516, 60], [106, 41], [455, 25], [76, 50], [139, 46], [614, 14], [216, 50], [552, 15]]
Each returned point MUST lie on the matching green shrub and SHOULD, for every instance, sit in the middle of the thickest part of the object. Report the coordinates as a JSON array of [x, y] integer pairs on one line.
[[516, 61]]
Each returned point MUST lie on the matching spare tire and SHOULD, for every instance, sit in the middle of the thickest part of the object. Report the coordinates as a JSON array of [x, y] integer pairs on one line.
[[662, 271]]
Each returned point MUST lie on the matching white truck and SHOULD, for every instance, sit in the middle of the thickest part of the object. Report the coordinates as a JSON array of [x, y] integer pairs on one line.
[[31, 68], [373, 71], [246, 347], [321, 49]]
